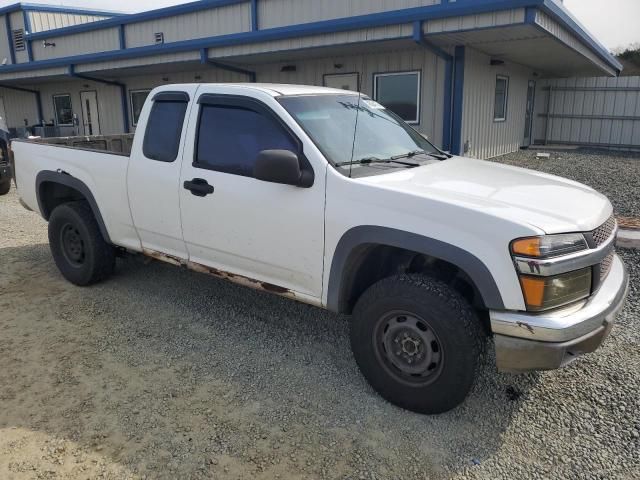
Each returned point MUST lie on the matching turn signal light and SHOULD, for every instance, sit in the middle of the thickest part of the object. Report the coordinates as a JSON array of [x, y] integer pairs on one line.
[[549, 245]]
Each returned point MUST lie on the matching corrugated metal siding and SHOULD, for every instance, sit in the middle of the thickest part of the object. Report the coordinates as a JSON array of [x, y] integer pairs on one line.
[[311, 72], [468, 22], [207, 23], [589, 111], [341, 38], [19, 106], [41, 21], [81, 43], [142, 61], [17, 21], [562, 34], [28, 75], [488, 138], [276, 13], [109, 109], [4, 42]]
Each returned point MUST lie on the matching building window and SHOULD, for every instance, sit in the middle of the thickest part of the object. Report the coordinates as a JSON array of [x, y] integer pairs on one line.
[[63, 110], [400, 93], [502, 96], [137, 99], [164, 131], [230, 138]]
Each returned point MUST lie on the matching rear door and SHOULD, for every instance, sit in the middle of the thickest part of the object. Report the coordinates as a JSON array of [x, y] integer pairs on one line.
[[154, 171], [235, 223]]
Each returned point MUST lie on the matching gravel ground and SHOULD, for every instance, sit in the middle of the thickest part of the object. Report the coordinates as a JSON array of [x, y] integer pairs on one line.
[[615, 174], [165, 373]]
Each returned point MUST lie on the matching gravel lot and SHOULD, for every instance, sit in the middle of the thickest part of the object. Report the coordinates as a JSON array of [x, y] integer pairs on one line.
[[165, 373], [617, 175]]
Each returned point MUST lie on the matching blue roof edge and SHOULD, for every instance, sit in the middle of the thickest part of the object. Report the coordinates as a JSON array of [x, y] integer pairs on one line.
[[27, 6]]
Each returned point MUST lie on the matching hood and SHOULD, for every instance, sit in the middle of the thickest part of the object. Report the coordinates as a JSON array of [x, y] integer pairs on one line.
[[546, 202]]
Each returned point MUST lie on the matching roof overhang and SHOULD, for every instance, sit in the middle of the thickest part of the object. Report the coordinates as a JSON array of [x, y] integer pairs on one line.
[[542, 35]]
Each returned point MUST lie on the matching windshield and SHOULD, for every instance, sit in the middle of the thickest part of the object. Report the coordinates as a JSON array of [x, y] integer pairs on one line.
[[343, 135]]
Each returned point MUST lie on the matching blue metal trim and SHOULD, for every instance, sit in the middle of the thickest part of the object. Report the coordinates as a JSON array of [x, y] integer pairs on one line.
[[140, 17], [12, 52], [205, 60], [418, 37], [36, 7], [448, 100], [27, 34], [123, 92], [458, 100], [255, 26], [530, 15], [122, 37]]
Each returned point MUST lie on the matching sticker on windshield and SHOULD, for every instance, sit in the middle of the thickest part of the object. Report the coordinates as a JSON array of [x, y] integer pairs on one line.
[[373, 104]]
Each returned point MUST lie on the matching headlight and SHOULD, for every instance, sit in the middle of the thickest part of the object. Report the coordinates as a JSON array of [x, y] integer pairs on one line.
[[549, 246], [544, 293]]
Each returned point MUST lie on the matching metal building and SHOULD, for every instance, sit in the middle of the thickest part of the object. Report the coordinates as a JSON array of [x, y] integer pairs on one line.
[[464, 72]]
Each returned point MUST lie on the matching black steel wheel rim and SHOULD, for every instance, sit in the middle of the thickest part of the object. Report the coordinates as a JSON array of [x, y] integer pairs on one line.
[[73, 247], [409, 348]]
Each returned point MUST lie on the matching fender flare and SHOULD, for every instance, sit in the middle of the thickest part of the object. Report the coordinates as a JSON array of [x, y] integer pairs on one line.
[[371, 234], [63, 178]]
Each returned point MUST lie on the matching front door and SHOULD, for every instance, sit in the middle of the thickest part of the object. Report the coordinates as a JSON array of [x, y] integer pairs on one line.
[[528, 123], [90, 116], [268, 233]]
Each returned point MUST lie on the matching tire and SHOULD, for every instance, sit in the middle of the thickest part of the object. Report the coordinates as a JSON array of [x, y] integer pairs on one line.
[[5, 187], [78, 248], [417, 342]]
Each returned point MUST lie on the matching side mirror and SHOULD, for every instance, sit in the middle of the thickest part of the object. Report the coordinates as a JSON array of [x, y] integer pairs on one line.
[[281, 166]]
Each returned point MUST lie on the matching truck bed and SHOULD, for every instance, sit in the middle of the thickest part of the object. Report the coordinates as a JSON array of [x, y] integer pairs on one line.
[[117, 144]]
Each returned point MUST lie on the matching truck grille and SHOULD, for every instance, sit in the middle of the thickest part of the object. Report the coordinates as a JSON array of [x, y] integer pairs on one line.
[[605, 266], [601, 234]]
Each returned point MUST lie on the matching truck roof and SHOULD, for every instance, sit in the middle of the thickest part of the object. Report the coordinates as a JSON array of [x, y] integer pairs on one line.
[[275, 89]]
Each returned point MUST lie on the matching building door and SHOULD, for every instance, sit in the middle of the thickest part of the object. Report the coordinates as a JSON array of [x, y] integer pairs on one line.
[[528, 122], [90, 116], [343, 81]]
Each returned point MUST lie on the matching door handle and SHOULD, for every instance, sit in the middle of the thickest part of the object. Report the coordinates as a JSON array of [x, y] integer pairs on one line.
[[199, 187]]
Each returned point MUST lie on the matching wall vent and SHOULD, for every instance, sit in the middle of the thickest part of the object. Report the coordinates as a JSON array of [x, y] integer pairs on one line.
[[18, 40], [159, 36]]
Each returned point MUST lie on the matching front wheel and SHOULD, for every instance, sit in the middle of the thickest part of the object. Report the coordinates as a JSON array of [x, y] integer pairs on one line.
[[417, 342], [5, 187]]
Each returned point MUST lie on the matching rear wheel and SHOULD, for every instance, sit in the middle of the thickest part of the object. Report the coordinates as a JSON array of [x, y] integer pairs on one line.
[[78, 248], [5, 187], [417, 342]]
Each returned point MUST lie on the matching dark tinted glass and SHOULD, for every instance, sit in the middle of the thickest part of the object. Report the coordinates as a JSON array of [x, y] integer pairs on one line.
[[138, 98], [64, 110], [399, 93], [230, 139], [164, 129], [500, 108]]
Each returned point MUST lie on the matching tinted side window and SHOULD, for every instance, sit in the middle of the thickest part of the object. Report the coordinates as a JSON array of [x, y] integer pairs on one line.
[[164, 129], [230, 138]]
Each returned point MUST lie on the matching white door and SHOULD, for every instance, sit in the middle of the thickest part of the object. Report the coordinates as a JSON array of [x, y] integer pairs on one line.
[[267, 232], [90, 116], [153, 177], [343, 81]]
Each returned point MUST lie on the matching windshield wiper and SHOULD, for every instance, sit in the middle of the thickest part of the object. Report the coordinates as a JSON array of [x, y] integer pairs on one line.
[[408, 154], [370, 160]]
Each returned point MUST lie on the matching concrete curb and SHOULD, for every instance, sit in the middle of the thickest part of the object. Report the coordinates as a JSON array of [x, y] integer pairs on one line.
[[628, 238]]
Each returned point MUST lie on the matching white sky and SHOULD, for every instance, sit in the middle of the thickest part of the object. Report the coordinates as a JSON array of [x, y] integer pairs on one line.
[[613, 22]]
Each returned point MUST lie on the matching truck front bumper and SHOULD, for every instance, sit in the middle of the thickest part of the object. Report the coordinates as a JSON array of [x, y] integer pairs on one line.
[[550, 340]]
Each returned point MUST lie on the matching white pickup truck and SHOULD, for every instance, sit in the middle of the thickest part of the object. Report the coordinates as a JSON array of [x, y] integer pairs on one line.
[[326, 197]]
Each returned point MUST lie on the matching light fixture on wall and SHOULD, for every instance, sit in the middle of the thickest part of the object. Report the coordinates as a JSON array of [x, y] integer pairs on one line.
[[46, 44], [338, 66], [496, 62], [197, 77], [165, 79], [289, 68]]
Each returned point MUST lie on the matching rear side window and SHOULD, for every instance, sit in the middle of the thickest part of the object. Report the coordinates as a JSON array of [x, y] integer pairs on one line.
[[164, 130], [231, 137]]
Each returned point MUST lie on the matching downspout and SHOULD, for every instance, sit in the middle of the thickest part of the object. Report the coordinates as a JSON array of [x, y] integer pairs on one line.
[[205, 60], [418, 37], [38, 100], [457, 147], [123, 92]]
